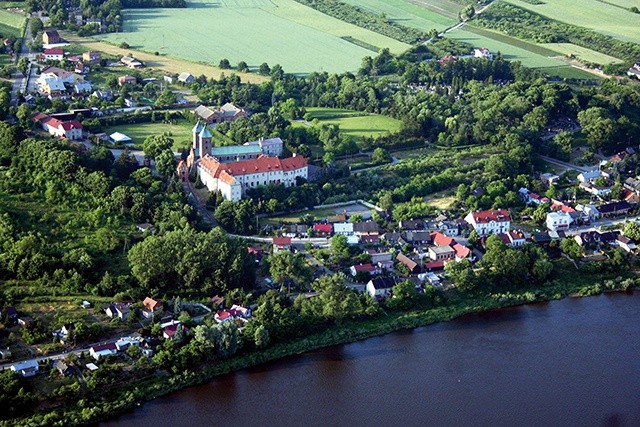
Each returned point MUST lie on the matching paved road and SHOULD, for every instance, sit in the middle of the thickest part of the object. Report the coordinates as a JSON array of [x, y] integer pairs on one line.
[[568, 166]]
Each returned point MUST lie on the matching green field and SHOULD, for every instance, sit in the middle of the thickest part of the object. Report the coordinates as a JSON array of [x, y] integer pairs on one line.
[[581, 53], [282, 32], [11, 24], [604, 17], [180, 132], [354, 123], [438, 14]]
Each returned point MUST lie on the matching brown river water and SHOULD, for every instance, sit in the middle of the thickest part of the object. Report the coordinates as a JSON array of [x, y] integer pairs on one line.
[[573, 362]]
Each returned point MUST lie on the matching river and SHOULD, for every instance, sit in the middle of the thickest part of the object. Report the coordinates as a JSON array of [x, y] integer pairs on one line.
[[573, 362]]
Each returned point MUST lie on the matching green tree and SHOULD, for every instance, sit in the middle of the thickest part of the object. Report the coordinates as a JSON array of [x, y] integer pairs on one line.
[[462, 275], [155, 144], [404, 296], [339, 246], [571, 247], [380, 155], [597, 125], [224, 64], [632, 230], [261, 337], [284, 265], [165, 163], [264, 69]]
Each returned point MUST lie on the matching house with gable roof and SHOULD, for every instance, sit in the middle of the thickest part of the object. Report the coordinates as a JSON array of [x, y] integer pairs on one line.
[[489, 222]]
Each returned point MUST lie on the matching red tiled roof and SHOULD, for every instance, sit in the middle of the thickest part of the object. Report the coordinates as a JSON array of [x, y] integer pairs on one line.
[[222, 315], [323, 228], [263, 164], [440, 239], [461, 250], [498, 215], [151, 304], [39, 117], [505, 238], [364, 267], [567, 209], [281, 241], [73, 124], [434, 265], [54, 51]]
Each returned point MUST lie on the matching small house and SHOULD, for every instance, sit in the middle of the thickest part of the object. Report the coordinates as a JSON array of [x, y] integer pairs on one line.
[[186, 78], [380, 287], [127, 79], [103, 350], [281, 244], [217, 302], [64, 369], [51, 37], [411, 265], [28, 368], [364, 268]]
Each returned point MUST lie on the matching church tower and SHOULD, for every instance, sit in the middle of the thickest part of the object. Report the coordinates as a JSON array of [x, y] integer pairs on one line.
[[204, 139], [196, 137]]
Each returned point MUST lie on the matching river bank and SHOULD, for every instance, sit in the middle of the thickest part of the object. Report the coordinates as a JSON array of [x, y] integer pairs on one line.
[[130, 395]]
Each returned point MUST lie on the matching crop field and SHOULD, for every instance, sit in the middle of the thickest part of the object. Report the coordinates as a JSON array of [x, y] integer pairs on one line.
[[581, 53], [606, 18], [423, 15], [282, 32], [11, 24], [354, 124]]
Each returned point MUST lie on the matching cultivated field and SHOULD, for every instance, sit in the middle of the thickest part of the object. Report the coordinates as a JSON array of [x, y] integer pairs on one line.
[[581, 53], [163, 63], [282, 32], [607, 17], [354, 123], [423, 15], [11, 24]]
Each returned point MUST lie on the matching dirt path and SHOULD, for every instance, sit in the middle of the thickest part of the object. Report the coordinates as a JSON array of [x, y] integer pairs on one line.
[[161, 62]]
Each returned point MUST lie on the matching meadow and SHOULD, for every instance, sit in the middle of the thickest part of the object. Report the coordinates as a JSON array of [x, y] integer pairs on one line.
[[582, 53], [11, 24], [283, 32], [180, 131], [611, 17], [354, 123], [438, 14]]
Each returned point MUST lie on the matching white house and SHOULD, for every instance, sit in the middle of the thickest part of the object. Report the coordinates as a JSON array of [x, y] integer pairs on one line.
[[82, 86], [235, 178], [595, 190], [53, 54], [344, 228], [103, 350], [28, 368], [489, 222], [625, 243], [589, 212], [558, 221], [483, 52], [589, 176], [380, 287], [186, 78], [364, 268]]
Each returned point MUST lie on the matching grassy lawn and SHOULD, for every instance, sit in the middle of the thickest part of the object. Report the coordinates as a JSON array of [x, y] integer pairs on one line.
[[569, 72], [11, 24], [438, 14], [600, 16], [180, 132], [354, 123], [581, 53], [274, 31]]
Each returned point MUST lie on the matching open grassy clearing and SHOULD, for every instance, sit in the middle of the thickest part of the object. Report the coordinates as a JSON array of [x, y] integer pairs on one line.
[[438, 14], [297, 37], [599, 16], [11, 24], [180, 132], [354, 123], [161, 63], [441, 200], [570, 72], [581, 53]]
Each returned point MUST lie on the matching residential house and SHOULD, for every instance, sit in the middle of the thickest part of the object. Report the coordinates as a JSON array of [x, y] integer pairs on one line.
[[368, 239], [28, 368], [632, 184], [119, 309], [549, 178], [130, 103], [223, 316], [127, 79], [51, 37], [281, 244], [366, 228], [589, 176], [168, 79], [449, 228], [462, 251], [634, 70], [558, 221], [104, 349], [380, 287], [588, 212], [238, 311], [441, 240], [364, 268], [412, 224], [321, 229], [145, 227], [91, 56], [434, 266], [64, 369], [595, 190], [235, 178], [51, 86], [170, 330], [377, 257], [614, 208], [186, 78], [130, 62], [66, 76], [411, 265], [391, 238], [418, 237], [54, 54], [531, 198], [595, 238], [71, 130], [103, 95], [217, 302], [489, 222], [131, 341], [626, 243], [441, 253], [151, 307], [482, 52], [344, 228], [82, 86], [272, 147], [516, 238]]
